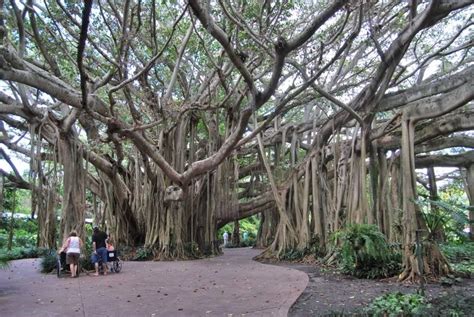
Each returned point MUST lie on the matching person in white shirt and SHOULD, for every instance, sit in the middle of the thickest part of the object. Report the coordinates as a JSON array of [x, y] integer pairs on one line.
[[72, 246], [226, 238]]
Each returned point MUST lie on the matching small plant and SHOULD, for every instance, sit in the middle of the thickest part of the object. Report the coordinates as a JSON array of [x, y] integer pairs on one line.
[[292, 255], [48, 262], [457, 253], [461, 257], [4, 262], [143, 254], [364, 252], [456, 304], [397, 304], [192, 250], [444, 222]]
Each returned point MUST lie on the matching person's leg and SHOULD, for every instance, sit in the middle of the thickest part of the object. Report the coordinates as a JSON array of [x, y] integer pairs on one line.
[[76, 264], [70, 262], [95, 260], [71, 267], [103, 254]]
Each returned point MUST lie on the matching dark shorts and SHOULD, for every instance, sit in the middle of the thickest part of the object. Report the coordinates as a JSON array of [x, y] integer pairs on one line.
[[72, 258], [101, 254]]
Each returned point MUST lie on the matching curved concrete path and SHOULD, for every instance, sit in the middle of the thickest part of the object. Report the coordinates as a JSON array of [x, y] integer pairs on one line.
[[229, 285]]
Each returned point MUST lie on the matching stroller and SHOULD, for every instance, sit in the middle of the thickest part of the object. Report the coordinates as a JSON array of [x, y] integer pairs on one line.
[[62, 268]]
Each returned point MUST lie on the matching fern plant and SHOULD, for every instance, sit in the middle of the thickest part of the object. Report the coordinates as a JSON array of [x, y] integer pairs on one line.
[[365, 253]]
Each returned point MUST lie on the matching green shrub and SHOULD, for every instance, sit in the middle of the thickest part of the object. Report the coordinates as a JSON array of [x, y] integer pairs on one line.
[[312, 249], [19, 253], [364, 252], [449, 218], [292, 255], [143, 254], [191, 250], [48, 262], [397, 304], [27, 253], [24, 233], [4, 262], [456, 253], [85, 260], [461, 257], [25, 239]]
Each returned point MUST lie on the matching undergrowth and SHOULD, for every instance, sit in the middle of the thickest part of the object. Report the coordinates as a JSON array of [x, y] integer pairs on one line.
[[460, 256], [362, 251], [397, 304]]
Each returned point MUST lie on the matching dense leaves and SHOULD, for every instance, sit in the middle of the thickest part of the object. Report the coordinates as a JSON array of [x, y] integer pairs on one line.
[[397, 304], [364, 252]]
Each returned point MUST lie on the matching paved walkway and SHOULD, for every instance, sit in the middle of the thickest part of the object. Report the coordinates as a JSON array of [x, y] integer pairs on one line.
[[229, 285]]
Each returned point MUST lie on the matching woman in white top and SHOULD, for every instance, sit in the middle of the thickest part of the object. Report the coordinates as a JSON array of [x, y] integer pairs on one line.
[[72, 246]]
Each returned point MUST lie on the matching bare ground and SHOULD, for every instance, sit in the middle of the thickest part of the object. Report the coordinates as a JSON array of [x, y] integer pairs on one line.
[[328, 292]]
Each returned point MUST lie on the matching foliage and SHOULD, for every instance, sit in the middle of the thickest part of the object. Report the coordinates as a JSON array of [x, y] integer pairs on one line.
[[292, 255], [312, 249], [364, 252], [192, 250], [446, 217], [249, 225], [85, 260], [450, 280], [458, 252], [4, 262], [456, 304], [48, 262], [21, 253], [17, 199], [24, 239], [461, 256], [24, 232], [397, 304], [143, 254]]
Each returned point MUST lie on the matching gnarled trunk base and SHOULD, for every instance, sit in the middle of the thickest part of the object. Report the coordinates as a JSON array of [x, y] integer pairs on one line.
[[434, 264]]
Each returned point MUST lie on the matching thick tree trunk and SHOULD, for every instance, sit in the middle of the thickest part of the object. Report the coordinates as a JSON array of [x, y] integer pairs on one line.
[[438, 235], [285, 235], [74, 180], [358, 209], [236, 234], [47, 221], [470, 194], [395, 213], [319, 219], [434, 263], [266, 231], [382, 203]]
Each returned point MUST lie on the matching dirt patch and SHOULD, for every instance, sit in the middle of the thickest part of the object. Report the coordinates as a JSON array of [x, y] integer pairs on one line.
[[329, 292]]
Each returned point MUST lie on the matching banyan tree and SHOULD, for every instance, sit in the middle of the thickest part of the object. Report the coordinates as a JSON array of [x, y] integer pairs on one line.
[[168, 119]]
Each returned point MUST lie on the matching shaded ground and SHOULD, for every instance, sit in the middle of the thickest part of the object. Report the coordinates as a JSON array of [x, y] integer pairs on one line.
[[328, 293], [229, 285]]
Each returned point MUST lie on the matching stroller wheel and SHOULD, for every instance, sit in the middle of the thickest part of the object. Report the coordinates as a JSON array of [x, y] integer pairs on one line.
[[58, 267], [117, 266]]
